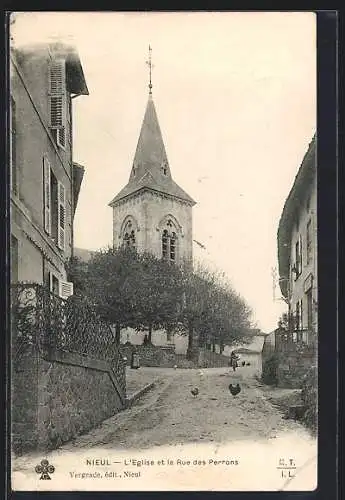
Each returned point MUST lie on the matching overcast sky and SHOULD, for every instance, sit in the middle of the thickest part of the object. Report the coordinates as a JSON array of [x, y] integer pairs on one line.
[[235, 95]]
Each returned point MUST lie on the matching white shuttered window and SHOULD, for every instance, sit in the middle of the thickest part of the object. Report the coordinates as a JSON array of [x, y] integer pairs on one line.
[[61, 215], [47, 195], [58, 100]]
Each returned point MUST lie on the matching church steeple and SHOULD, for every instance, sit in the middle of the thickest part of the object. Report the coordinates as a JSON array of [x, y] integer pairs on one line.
[[150, 168], [150, 155], [152, 213]]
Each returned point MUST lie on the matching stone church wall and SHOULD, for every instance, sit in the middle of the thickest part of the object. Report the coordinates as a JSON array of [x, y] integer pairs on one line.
[[158, 207], [148, 210], [134, 207]]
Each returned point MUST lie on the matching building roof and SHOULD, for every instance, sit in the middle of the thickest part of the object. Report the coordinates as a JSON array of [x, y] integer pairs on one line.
[[293, 204], [150, 169], [78, 174], [76, 82]]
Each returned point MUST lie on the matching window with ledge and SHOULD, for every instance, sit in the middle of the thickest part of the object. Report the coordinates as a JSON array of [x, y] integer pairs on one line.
[[54, 199]]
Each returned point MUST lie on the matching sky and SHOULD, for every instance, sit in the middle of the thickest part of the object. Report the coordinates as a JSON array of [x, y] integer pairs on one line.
[[235, 95]]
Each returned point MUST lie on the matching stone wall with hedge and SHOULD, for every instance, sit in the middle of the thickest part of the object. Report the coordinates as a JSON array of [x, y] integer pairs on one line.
[[53, 402], [165, 357]]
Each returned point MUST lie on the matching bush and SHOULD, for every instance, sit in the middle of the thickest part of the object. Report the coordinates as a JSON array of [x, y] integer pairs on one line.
[[309, 398], [270, 371]]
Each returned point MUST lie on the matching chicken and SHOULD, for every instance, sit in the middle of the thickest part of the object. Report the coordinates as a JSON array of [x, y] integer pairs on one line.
[[248, 364], [175, 367], [235, 389], [243, 363], [201, 373], [195, 391]]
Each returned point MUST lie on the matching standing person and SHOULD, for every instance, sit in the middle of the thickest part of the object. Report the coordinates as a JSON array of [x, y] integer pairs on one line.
[[233, 360]]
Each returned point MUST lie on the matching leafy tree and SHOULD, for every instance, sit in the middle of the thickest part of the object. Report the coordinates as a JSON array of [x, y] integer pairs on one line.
[[161, 288], [137, 290]]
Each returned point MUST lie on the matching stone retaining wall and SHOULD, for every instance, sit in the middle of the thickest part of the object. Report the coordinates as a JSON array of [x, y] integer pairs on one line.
[[150, 355], [292, 368], [166, 357], [53, 402]]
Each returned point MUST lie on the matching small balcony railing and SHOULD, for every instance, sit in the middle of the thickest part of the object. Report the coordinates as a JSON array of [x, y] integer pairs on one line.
[[297, 340]]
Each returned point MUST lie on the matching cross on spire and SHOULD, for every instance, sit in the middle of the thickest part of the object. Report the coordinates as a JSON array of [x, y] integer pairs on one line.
[[150, 65]]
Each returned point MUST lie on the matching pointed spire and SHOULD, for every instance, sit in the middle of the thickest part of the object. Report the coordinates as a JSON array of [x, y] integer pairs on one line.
[[150, 153], [150, 167]]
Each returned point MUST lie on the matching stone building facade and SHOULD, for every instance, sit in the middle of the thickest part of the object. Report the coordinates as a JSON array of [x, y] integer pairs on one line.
[[152, 212], [45, 182], [297, 250]]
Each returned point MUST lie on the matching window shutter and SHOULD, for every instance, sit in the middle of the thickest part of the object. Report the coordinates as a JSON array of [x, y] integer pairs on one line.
[[58, 100], [50, 281], [65, 289], [61, 215], [46, 195]]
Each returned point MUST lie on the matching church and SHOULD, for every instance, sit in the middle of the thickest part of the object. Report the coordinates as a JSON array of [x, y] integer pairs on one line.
[[152, 212]]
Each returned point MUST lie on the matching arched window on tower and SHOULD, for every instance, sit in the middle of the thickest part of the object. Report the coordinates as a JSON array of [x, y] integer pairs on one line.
[[128, 238]]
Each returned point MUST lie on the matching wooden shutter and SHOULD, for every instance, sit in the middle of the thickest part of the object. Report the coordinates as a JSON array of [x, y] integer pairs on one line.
[[65, 289], [50, 281], [58, 100], [47, 195], [61, 215]]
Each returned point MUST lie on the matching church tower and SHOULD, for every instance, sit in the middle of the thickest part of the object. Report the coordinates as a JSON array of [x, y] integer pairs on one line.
[[152, 213]]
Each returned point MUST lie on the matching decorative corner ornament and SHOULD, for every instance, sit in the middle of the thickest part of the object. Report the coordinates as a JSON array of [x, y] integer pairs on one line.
[[45, 468]]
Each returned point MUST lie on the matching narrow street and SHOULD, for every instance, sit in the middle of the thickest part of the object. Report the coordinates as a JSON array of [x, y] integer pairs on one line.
[[170, 414], [170, 422]]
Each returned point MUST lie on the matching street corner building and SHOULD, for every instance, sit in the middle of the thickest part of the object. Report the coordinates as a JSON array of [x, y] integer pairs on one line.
[[152, 213], [297, 250], [45, 182], [66, 373]]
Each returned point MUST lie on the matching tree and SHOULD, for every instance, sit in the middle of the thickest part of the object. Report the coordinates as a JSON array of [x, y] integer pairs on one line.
[[131, 289], [161, 287], [77, 273]]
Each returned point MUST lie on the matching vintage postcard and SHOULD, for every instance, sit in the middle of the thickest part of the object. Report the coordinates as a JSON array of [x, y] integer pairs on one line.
[[164, 280]]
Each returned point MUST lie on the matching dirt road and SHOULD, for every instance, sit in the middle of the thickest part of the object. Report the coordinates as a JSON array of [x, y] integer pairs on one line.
[[171, 415], [184, 437]]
